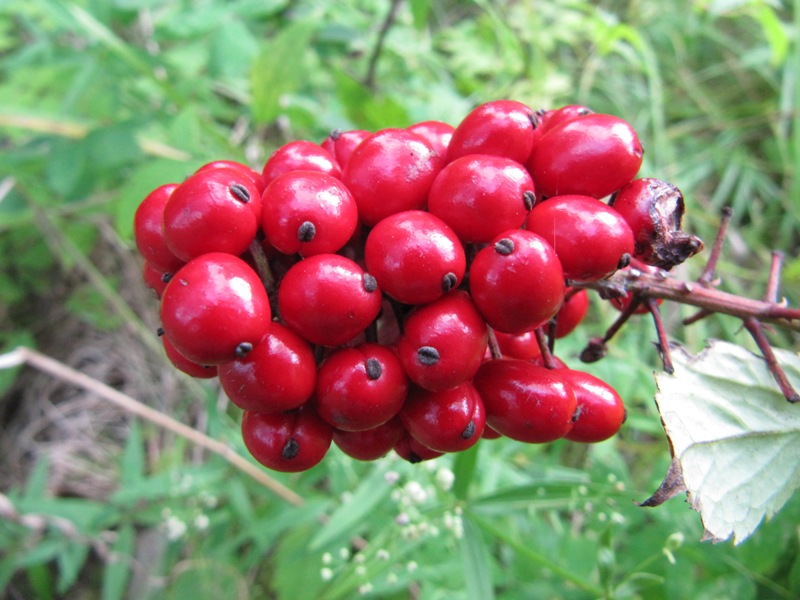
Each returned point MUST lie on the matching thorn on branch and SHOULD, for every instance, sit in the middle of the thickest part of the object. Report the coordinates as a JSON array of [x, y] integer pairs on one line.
[[707, 276], [663, 341], [756, 330]]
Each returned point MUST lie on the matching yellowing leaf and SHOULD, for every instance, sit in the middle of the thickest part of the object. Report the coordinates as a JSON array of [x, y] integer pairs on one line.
[[734, 435]]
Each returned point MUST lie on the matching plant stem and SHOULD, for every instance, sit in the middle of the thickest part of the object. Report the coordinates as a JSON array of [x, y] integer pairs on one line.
[[59, 370]]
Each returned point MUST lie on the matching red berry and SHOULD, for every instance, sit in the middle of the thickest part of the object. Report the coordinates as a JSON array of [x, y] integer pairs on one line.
[[600, 409], [277, 375], [449, 420], [341, 144], [215, 309], [328, 299], [500, 128], [308, 212], [148, 230], [654, 210], [290, 441], [558, 116], [415, 257], [436, 133], [590, 238], [480, 195], [521, 345], [443, 343], [183, 364], [155, 279], [525, 402], [389, 172], [413, 451], [593, 155], [517, 282], [252, 174], [370, 444], [574, 309], [360, 388], [299, 155], [210, 212]]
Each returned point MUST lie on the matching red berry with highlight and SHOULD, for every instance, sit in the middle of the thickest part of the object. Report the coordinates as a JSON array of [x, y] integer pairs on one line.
[[601, 411]]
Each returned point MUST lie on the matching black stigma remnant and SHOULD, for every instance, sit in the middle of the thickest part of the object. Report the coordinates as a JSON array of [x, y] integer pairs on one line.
[[306, 231], [290, 450], [504, 246], [428, 355], [469, 430], [528, 199], [243, 349], [534, 119], [166, 277], [624, 261], [414, 458], [160, 331], [370, 283], [241, 193], [577, 414], [449, 281], [374, 369]]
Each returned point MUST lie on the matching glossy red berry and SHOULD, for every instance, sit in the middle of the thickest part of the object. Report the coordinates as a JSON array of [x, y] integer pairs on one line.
[[563, 114], [409, 449], [299, 155], [443, 342], [360, 387], [308, 212], [601, 411], [328, 299], [449, 420], [481, 195], [593, 155], [148, 230], [341, 144], [521, 345], [370, 444], [572, 312], [389, 172], [210, 212], [250, 173], [436, 133], [591, 239], [215, 309], [499, 127], [277, 375], [654, 210], [183, 364], [155, 279], [525, 402], [290, 441], [517, 282], [415, 256]]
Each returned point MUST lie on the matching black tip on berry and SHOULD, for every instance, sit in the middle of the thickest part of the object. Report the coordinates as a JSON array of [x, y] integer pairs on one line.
[[504, 246], [529, 199], [577, 414], [166, 277], [306, 231], [414, 458], [374, 368], [370, 283], [335, 134], [624, 261], [243, 349], [469, 430], [534, 119], [241, 192], [449, 281], [428, 355], [160, 331], [290, 450]]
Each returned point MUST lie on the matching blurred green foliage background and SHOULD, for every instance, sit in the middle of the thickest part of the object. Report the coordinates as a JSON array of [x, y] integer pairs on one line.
[[103, 100]]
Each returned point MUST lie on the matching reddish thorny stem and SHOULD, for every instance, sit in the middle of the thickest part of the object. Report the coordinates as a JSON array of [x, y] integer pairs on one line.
[[647, 288]]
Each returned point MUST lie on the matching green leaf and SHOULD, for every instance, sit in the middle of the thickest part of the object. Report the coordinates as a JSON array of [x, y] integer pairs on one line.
[[464, 467], [132, 464], [279, 69], [117, 571], [475, 560], [70, 562], [350, 515], [232, 49], [733, 434]]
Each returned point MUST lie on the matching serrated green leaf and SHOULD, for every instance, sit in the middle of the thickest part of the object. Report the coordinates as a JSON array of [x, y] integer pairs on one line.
[[734, 434]]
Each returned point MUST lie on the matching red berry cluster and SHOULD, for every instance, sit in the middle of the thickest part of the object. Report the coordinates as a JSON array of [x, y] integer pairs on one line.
[[390, 290]]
